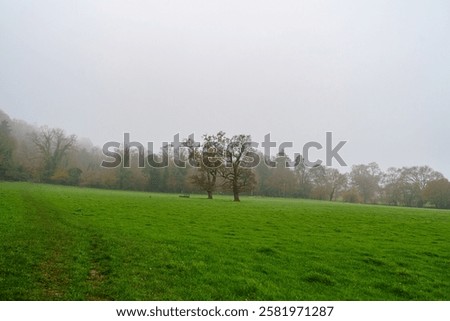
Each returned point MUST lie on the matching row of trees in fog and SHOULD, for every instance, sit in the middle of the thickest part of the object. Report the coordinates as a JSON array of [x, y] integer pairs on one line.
[[51, 156]]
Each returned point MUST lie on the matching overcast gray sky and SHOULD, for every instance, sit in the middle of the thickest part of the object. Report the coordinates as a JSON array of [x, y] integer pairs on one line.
[[375, 73]]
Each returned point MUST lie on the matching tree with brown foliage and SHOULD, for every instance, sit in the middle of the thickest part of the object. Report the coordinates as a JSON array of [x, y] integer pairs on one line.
[[437, 192]]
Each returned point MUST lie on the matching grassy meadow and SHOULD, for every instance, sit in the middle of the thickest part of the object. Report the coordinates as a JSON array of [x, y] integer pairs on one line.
[[64, 243]]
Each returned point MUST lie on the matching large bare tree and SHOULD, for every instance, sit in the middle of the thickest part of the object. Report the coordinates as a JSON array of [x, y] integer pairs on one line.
[[405, 186], [208, 161], [237, 170], [53, 145]]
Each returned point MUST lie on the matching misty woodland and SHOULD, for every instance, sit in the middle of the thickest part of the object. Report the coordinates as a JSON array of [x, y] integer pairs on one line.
[[50, 155]]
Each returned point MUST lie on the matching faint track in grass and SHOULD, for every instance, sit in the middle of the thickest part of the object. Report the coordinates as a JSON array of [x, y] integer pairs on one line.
[[55, 274]]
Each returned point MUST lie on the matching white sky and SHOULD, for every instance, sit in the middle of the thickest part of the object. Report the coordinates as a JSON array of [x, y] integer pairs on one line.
[[375, 73]]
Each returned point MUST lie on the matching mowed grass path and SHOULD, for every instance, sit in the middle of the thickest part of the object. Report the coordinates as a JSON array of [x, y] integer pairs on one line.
[[63, 243]]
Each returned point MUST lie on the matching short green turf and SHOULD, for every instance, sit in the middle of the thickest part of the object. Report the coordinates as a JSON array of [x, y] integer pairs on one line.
[[65, 243]]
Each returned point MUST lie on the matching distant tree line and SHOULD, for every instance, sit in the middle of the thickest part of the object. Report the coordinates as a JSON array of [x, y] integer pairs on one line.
[[49, 155]]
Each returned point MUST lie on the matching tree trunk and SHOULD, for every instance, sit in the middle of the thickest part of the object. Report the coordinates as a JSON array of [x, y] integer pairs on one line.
[[236, 196], [332, 194], [210, 195]]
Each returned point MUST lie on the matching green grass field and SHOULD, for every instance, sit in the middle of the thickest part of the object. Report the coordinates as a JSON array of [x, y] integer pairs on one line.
[[63, 243]]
